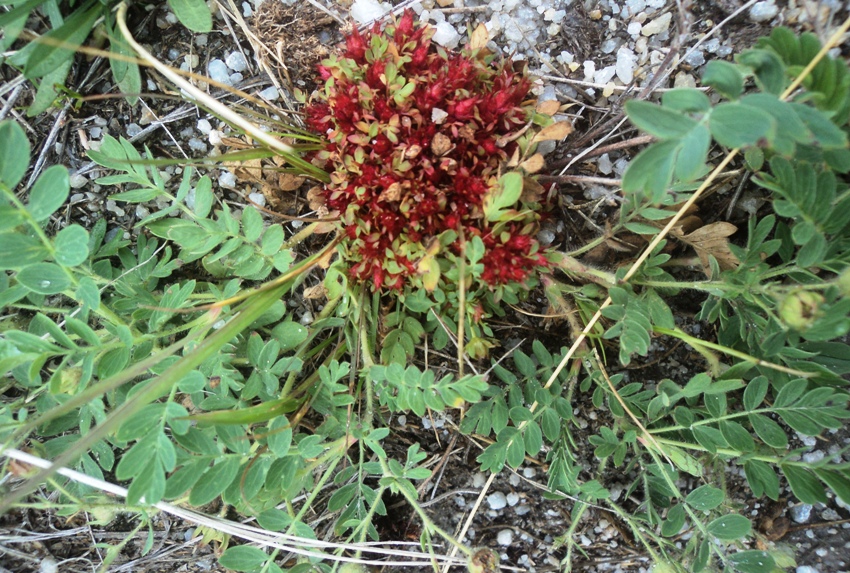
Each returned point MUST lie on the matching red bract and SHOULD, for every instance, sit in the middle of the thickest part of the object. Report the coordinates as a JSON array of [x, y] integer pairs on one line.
[[417, 141]]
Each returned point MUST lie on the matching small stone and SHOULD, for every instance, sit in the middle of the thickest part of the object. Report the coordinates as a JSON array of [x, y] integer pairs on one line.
[[270, 94], [604, 164], [438, 116], [306, 318], [812, 457], [214, 137], [634, 28], [218, 71], [505, 537], [227, 180], [605, 75], [513, 479], [446, 35], [133, 130], [763, 11], [201, 40], [806, 569], [247, 9], [236, 62], [626, 64], [523, 509], [658, 25], [529, 472], [513, 499], [192, 61], [365, 11], [196, 144], [478, 480], [258, 198], [801, 513], [78, 181], [695, 58], [497, 500], [235, 78], [204, 126], [48, 565]]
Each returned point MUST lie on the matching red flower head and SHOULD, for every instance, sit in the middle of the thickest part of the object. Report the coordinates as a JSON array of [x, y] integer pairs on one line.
[[413, 156]]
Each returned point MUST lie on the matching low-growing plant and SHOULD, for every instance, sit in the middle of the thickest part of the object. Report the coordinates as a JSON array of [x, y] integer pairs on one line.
[[232, 398]]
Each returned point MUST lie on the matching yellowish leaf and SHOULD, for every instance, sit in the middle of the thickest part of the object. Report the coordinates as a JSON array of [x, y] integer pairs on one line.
[[289, 182], [554, 132], [479, 37], [533, 164], [548, 107], [429, 268], [316, 292]]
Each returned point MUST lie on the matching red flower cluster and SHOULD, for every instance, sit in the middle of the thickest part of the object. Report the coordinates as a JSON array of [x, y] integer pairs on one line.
[[417, 137]]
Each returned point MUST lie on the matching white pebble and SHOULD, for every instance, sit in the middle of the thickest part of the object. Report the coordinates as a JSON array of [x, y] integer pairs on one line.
[[196, 144], [306, 318], [214, 137], [258, 198], [801, 513], [95, 132], [604, 164], [634, 28], [513, 499], [626, 64], [133, 130], [446, 35], [77, 181], [529, 472], [806, 569], [48, 565], [227, 180], [365, 11], [218, 72], [523, 509], [270, 93], [235, 78], [812, 457], [438, 115], [658, 25], [513, 479], [204, 126], [497, 500], [505, 537], [236, 62], [478, 480], [247, 10], [763, 11]]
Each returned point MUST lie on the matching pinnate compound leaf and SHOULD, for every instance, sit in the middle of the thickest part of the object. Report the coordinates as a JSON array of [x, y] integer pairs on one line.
[[762, 479], [72, 246], [44, 278], [724, 77], [214, 481], [194, 14], [804, 484], [49, 192], [730, 527], [705, 498], [659, 121], [14, 153], [242, 558], [754, 561], [737, 125], [769, 431]]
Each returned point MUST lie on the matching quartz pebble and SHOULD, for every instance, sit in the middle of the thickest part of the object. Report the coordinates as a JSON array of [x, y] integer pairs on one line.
[[218, 72], [801, 513], [270, 94], [513, 499], [806, 569], [626, 64], [446, 35], [236, 62], [657, 25], [364, 11], [497, 500], [763, 11], [505, 537]]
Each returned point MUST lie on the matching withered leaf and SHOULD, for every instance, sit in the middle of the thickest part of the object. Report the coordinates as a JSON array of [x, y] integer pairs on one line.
[[548, 107], [554, 132], [713, 240], [532, 191], [391, 193], [315, 198], [289, 182], [533, 164], [316, 292], [479, 37]]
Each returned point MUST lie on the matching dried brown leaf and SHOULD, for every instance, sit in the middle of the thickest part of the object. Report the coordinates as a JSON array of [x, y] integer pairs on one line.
[[479, 37], [289, 182], [441, 144], [554, 132], [548, 107], [316, 292], [713, 239], [534, 163]]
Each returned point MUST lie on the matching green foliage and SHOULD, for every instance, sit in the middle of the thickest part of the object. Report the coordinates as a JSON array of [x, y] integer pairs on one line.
[[48, 61]]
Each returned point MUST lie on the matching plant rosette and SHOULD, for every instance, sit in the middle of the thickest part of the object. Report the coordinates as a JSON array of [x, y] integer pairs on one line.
[[430, 155]]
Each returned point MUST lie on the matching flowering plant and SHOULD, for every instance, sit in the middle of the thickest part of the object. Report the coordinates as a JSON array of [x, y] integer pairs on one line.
[[428, 153]]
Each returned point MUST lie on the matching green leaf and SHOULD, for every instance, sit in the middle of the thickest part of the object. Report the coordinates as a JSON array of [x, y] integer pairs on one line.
[[61, 43], [755, 392], [739, 125], [44, 278], [753, 561], [194, 14], [705, 498], [47, 89], [769, 431], [730, 527], [661, 122], [651, 171], [503, 196], [14, 153], [252, 224], [242, 557], [724, 77], [214, 481], [674, 522], [18, 250], [768, 68], [804, 484], [762, 479], [838, 482], [49, 192], [204, 197], [279, 436], [126, 73], [72, 246], [685, 99], [737, 437]]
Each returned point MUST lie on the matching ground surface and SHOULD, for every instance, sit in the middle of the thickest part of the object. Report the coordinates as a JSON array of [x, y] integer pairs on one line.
[[514, 519]]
